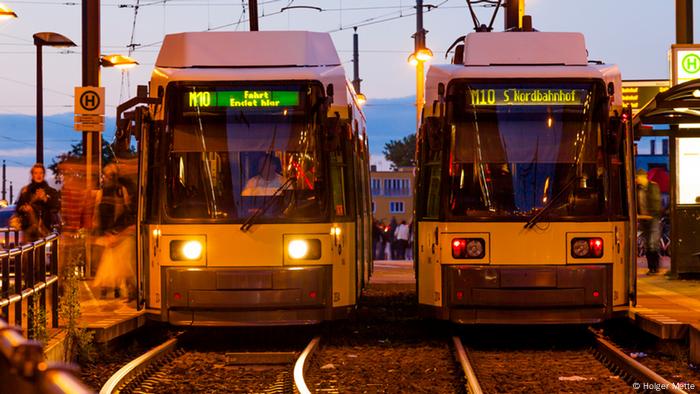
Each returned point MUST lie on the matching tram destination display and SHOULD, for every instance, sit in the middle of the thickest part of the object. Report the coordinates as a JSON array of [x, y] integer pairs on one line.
[[242, 98], [526, 96]]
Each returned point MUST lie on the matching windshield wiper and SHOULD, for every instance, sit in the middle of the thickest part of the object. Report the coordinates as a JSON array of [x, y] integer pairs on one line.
[[250, 221], [538, 216]]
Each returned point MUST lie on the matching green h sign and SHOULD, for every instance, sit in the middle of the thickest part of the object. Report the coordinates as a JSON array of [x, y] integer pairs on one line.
[[685, 65]]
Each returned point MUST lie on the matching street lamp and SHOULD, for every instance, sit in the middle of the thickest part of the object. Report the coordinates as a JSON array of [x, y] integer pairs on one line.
[[417, 59], [6, 13], [361, 99], [420, 55], [118, 61], [41, 40], [424, 54]]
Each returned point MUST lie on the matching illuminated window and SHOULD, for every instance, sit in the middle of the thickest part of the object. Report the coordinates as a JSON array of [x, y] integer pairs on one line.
[[396, 207], [376, 187], [688, 164], [397, 187]]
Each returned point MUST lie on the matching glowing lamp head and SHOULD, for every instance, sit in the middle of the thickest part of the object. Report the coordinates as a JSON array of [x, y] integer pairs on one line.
[[413, 60], [424, 54], [361, 99], [6, 13], [118, 61], [298, 249], [192, 250]]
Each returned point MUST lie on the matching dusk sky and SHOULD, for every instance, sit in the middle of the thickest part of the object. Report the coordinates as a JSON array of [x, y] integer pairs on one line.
[[636, 34]]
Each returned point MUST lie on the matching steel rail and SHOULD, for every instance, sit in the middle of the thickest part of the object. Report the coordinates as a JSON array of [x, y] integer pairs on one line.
[[639, 376], [136, 367], [302, 365], [473, 386]]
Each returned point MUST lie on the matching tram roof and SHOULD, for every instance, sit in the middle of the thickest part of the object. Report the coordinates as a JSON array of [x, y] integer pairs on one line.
[[525, 48], [247, 49]]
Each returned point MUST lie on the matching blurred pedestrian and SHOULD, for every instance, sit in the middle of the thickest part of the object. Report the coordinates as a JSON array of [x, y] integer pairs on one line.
[[392, 232], [115, 234], [74, 202], [387, 238], [376, 240], [648, 213], [409, 250], [37, 212], [401, 233]]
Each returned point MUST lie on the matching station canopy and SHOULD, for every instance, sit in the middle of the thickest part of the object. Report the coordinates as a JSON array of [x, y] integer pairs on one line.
[[678, 105]]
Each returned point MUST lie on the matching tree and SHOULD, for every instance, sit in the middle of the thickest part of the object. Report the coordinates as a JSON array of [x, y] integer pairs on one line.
[[401, 153], [75, 155]]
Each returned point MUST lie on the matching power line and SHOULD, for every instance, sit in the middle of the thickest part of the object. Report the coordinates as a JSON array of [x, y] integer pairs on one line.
[[382, 18]]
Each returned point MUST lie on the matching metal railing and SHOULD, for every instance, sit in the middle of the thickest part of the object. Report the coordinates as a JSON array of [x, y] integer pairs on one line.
[[10, 238], [23, 368], [27, 272]]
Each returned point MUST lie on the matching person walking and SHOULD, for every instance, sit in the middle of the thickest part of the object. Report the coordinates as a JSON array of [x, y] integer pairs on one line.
[[113, 226], [648, 213], [401, 234], [387, 239], [376, 240], [37, 212]]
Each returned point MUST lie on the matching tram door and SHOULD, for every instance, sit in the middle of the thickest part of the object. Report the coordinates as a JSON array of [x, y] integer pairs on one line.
[[359, 211]]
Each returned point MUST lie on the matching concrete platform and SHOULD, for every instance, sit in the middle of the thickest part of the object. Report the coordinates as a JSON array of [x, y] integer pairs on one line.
[[393, 272], [665, 307], [107, 318], [668, 308]]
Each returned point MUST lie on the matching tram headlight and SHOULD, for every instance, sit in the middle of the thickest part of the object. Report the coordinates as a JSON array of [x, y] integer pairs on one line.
[[586, 248], [468, 248], [304, 249], [186, 250]]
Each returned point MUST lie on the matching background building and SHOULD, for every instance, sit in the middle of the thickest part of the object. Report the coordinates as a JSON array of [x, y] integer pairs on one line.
[[392, 194]]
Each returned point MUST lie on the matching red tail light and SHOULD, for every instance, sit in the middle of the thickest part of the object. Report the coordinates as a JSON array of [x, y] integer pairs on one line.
[[313, 294], [458, 248], [468, 248], [596, 247], [460, 294]]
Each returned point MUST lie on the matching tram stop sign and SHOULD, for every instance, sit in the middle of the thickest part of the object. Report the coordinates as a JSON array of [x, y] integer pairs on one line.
[[685, 63], [89, 108]]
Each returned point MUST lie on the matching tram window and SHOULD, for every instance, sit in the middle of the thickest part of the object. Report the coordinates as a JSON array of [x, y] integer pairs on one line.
[[433, 176], [513, 160], [338, 169], [227, 164]]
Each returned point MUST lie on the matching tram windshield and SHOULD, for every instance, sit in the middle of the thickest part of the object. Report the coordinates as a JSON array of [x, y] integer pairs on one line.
[[518, 147], [238, 151]]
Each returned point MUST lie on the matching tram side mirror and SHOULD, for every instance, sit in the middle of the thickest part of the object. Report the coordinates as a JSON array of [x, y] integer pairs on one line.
[[615, 133], [329, 92], [433, 134]]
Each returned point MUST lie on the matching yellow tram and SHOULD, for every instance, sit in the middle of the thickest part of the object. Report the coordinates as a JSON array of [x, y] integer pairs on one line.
[[523, 188], [253, 191]]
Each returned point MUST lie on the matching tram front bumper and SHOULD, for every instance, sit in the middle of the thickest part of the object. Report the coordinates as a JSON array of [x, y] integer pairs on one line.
[[527, 294], [247, 296]]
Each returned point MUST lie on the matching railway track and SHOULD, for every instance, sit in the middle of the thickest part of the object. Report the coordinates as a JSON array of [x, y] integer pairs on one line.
[[601, 368], [165, 367]]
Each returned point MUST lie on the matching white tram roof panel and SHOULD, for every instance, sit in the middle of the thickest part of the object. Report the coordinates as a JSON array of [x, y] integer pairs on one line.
[[525, 48], [247, 49]]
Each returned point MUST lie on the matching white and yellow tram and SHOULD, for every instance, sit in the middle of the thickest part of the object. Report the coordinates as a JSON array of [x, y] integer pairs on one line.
[[253, 206], [523, 184]]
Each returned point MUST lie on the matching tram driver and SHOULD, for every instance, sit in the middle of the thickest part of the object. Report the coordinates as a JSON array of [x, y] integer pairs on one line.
[[269, 178]]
